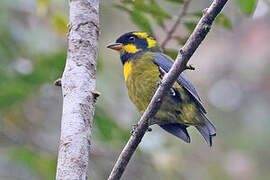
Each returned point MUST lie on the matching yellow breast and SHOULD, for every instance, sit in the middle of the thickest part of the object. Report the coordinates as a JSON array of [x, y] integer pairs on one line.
[[127, 69]]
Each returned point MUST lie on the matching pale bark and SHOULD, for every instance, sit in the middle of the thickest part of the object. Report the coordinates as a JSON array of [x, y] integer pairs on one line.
[[78, 86]]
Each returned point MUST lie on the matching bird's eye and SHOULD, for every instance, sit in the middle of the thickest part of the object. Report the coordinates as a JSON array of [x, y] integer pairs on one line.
[[132, 39]]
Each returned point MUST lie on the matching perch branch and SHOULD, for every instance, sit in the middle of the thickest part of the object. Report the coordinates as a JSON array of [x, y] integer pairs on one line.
[[178, 67], [78, 86], [169, 35]]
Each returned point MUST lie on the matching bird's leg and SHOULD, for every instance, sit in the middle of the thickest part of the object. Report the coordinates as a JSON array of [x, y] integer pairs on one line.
[[190, 67], [161, 72], [134, 129], [161, 75], [172, 91], [149, 124], [159, 83]]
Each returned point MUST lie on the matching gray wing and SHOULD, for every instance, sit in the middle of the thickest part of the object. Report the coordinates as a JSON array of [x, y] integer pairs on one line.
[[178, 130], [208, 130], [166, 63]]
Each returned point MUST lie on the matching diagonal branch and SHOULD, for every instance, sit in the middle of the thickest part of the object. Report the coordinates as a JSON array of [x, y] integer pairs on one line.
[[169, 35], [178, 67]]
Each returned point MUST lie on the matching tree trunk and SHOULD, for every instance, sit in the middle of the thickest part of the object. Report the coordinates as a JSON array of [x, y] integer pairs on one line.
[[78, 86]]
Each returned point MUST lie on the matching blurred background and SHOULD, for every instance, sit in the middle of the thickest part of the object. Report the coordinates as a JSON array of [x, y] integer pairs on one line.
[[231, 76]]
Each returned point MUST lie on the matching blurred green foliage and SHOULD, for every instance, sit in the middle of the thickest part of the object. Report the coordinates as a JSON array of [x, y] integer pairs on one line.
[[152, 16], [247, 6], [107, 129], [60, 23], [176, 1], [139, 11], [16, 88], [223, 21], [171, 52], [41, 163], [141, 21]]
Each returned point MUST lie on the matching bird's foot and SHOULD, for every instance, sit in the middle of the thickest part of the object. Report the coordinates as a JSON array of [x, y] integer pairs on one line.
[[149, 129], [159, 83], [190, 67], [161, 72], [172, 91], [134, 129]]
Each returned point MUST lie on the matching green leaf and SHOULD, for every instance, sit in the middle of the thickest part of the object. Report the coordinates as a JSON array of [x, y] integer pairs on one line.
[[158, 14], [176, 1], [141, 9], [155, 10], [141, 21], [223, 20], [151, 8], [172, 53], [247, 6]]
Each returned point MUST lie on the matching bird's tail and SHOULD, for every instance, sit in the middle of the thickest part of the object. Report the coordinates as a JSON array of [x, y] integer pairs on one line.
[[207, 130]]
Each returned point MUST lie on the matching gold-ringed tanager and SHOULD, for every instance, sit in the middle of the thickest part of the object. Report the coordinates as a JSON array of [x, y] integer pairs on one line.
[[143, 65]]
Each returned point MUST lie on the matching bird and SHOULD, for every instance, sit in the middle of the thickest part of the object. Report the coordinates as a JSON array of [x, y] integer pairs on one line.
[[144, 65]]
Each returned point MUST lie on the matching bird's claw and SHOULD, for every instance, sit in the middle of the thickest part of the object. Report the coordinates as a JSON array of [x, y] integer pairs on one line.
[[172, 91], [159, 83], [190, 67], [161, 72], [134, 129]]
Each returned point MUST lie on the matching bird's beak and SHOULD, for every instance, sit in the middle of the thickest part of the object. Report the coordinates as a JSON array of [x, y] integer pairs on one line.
[[115, 46]]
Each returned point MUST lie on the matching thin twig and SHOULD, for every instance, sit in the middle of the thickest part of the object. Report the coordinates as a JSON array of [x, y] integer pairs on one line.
[[178, 67], [175, 25]]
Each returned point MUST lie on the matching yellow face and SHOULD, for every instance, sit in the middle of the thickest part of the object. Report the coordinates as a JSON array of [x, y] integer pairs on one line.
[[129, 48], [133, 42]]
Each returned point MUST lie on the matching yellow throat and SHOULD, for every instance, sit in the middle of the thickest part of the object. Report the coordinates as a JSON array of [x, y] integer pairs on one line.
[[127, 69]]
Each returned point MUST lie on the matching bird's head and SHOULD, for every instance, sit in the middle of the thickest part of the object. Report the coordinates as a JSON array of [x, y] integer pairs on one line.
[[133, 43]]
